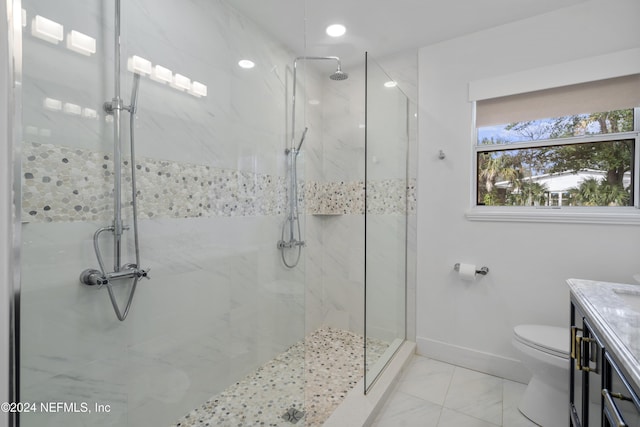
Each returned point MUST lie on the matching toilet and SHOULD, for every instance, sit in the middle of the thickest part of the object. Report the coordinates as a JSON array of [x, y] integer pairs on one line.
[[545, 353]]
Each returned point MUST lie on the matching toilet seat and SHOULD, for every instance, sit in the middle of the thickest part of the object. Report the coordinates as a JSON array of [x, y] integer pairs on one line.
[[548, 339]]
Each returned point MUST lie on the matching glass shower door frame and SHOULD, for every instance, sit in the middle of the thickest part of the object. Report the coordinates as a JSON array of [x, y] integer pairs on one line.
[[376, 361], [11, 121]]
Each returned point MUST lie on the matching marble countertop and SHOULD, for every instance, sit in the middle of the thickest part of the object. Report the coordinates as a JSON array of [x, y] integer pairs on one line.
[[614, 310]]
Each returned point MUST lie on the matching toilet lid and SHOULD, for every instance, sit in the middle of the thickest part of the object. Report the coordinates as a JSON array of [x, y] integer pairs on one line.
[[550, 339]]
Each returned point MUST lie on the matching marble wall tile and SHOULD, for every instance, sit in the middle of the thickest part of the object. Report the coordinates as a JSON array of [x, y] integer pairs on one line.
[[98, 382], [216, 309]]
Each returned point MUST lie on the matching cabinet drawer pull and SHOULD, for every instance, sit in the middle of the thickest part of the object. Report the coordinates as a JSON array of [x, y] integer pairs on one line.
[[592, 355], [621, 396], [574, 330], [578, 353], [611, 408], [575, 419], [577, 343]]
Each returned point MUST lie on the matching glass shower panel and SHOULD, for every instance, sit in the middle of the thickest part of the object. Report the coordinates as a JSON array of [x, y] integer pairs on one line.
[[222, 319], [387, 138], [67, 346]]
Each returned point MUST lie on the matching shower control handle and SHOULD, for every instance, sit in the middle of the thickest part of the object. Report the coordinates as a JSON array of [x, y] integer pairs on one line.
[[110, 107], [291, 244], [143, 273], [132, 270], [92, 277]]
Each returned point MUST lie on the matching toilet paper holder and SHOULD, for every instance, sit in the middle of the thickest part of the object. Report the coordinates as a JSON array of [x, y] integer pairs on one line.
[[483, 270]]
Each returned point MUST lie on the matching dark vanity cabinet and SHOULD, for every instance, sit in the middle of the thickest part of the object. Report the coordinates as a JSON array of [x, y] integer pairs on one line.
[[585, 374], [599, 393], [620, 404]]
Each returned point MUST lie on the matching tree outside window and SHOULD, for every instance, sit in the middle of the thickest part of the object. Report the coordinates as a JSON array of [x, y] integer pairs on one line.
[[528, 164]]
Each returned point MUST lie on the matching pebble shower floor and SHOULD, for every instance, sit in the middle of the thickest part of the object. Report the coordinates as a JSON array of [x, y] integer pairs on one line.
[[333, 364]]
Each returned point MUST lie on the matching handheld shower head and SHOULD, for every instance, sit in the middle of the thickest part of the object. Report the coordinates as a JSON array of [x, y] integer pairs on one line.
[[304, 133], [134, 93]]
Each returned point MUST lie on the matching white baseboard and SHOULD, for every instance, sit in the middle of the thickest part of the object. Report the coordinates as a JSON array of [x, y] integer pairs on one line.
[[492, 364]]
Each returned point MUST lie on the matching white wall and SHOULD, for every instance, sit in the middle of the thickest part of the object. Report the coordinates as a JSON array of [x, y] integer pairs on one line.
[[471, 323]]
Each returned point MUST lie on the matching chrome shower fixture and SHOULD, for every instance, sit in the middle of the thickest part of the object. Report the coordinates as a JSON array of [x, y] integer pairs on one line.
[[294, 241], [302, 138], [103, 277], [337, 75]]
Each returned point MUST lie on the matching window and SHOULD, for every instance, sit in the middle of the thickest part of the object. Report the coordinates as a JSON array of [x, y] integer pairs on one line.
[[570, 146]]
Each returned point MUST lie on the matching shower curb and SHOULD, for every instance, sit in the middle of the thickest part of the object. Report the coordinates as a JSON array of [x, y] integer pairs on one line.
[[359, 409]]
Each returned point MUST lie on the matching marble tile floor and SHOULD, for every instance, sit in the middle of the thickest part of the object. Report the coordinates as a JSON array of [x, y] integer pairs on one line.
[[430, 393], [300, 387]]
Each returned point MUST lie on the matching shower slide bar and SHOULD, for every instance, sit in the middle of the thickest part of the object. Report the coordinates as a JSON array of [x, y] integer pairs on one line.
[[292, 221], [101, 277]]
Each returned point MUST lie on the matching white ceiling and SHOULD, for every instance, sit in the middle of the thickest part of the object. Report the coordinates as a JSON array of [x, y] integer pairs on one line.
[[383, 27]]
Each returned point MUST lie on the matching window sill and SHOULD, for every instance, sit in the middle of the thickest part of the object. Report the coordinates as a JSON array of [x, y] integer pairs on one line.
[[615, 216]]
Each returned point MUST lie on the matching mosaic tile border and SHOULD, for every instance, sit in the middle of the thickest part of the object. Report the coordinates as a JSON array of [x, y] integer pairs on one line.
[[62, 184]]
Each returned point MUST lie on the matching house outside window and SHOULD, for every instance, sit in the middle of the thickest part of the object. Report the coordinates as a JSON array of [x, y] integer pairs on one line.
[[574, 146]]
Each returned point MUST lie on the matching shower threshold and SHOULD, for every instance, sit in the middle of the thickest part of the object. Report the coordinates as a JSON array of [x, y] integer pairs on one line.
[[309, 380]]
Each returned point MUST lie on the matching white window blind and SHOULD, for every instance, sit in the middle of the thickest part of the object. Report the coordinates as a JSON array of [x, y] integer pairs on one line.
[[597, 96]]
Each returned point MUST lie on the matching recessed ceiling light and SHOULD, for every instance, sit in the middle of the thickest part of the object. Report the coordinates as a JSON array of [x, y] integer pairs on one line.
[[336, 30], [245, 63], [390, 83]]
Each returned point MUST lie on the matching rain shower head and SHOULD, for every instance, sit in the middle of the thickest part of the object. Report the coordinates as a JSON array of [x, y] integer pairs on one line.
[[339, 75]]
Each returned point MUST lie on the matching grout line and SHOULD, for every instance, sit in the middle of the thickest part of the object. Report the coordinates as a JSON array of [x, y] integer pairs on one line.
[[439, 416], [446, 394], [502, 403]]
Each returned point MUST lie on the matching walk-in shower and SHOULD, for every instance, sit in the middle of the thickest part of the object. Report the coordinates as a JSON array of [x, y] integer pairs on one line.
[[225, 333], [293, 240], [103, 277]]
